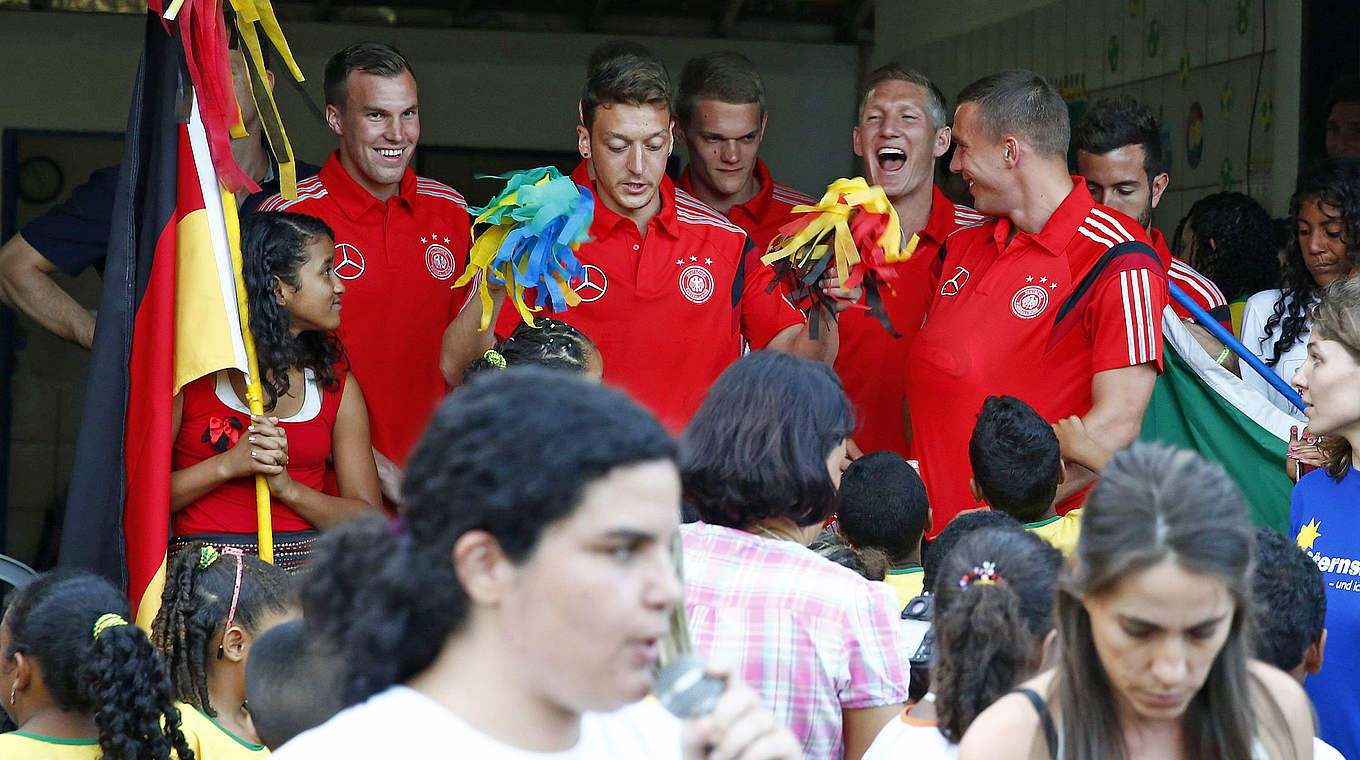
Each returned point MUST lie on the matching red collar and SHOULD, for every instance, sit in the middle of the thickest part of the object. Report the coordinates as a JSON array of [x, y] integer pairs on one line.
[[606, 219], [354, 201], [1159, 245], [1060, 228], [941, 221], [757, 207]]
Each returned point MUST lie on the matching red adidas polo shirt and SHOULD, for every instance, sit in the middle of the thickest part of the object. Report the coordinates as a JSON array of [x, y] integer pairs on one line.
[[399, 260], [1035, 318], [668, 312], [870, 359], [1200, 288], [763, 215]]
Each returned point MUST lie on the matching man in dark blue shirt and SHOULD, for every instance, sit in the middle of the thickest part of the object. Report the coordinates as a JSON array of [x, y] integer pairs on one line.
[[74, 234]]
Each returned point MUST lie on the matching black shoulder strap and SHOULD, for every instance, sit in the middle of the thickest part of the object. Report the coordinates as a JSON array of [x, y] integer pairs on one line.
[[1050, 731]]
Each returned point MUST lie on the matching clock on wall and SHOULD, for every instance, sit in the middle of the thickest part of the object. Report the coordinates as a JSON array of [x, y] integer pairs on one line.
[[40, 179]]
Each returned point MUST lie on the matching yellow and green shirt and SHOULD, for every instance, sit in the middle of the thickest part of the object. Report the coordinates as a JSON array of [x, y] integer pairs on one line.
[[1061, 531], [210, 741], [17, 745], [907, 582]]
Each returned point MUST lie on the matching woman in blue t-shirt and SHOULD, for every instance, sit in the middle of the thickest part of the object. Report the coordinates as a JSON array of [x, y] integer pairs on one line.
[[1325, 514]]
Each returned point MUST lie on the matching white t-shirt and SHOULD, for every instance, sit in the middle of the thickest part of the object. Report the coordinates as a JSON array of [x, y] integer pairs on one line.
[[1324, 751], [1255, 314], [905, 739], [403, 723]]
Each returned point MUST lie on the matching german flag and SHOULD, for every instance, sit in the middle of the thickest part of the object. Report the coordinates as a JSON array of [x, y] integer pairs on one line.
[[168, 315]]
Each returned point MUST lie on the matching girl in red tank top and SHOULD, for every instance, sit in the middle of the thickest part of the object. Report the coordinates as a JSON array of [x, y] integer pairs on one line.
[[314, 409]]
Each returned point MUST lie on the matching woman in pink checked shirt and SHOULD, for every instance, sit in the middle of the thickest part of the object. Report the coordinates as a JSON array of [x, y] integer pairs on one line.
[[760, 464]]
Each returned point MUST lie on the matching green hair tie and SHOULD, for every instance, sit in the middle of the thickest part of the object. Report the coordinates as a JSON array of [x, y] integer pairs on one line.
[[494, 358], [107, 621], [208, 555]]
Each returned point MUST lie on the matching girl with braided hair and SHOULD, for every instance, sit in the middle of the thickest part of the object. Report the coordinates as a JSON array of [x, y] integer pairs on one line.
[[314, 409], [993, 612], [1325, 212], [216, 603], [79, 681]]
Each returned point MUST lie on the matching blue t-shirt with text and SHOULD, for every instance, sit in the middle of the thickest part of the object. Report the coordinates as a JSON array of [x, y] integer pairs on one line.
[[1324, 519]]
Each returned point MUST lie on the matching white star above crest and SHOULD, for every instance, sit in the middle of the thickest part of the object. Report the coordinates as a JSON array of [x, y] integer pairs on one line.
[[708, 261], [693, 258], [678, 262], [1029, 279], [1043, 279], [424, 240]]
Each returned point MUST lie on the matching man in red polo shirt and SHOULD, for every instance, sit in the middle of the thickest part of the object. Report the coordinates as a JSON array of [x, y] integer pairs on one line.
[[1119, 152], [903, 128], [668, 297], [400, 243], [720, 119], [1058, 301]]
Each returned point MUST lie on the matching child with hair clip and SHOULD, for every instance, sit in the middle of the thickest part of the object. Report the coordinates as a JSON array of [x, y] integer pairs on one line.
[[314, 409], [217, 602], [552, 344], [79, 681]]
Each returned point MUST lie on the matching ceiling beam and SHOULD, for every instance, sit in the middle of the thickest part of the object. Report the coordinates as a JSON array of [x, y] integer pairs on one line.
[[853, 19], [727, 18]]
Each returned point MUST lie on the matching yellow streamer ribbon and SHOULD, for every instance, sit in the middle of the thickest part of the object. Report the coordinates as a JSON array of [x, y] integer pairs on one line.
[[248, 14]]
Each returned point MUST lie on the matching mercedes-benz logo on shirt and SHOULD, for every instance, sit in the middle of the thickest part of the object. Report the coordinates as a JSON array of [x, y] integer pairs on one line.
[[593, 285], [349, 263], [953, 284]]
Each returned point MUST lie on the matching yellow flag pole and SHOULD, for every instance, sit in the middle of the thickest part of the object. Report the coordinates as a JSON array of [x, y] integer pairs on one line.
[[254, 391]]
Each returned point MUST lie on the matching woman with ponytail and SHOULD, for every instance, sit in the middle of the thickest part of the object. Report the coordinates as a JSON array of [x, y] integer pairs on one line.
[[216, 603], [993, 611], [314, 409], [79, 681], [1152, 613], [519, 605]]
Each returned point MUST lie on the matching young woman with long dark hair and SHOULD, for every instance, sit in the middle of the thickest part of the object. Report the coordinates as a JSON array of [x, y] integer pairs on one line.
[[1151, 613], [314, 409]]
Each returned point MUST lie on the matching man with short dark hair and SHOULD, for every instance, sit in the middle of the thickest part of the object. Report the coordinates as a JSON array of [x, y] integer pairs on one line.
[[669, 296], [1289, 599], [903, 129], [720, 118], [400, 243], [1119, 152], [1056, 302]]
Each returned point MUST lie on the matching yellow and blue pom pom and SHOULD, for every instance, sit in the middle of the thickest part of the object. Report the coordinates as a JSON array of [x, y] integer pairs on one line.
[[527, 237]]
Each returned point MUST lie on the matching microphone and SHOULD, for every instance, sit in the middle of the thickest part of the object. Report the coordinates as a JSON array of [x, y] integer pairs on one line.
[[685, 690]]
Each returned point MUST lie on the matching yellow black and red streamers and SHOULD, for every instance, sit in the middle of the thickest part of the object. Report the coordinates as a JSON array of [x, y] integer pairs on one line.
[[853, 232]]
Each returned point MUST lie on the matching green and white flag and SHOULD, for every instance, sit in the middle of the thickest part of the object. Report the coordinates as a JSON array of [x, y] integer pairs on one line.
[[1199, 405]]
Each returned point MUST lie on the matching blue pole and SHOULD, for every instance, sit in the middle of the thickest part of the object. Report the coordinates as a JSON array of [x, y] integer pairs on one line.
[[1203, 318]]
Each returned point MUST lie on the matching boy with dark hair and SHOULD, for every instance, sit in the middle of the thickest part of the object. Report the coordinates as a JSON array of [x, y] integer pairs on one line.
[[884, 506], [290, 687], [1289, 597], [1017, 468]]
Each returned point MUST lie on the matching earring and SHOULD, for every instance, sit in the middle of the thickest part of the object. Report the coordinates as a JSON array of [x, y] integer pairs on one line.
[[12, 687]]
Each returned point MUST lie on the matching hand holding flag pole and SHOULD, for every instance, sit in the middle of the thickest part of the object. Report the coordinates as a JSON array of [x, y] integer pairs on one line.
[[1224, 336]]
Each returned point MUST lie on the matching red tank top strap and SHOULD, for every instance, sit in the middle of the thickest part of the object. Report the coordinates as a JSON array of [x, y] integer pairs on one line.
[[330, 401]]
